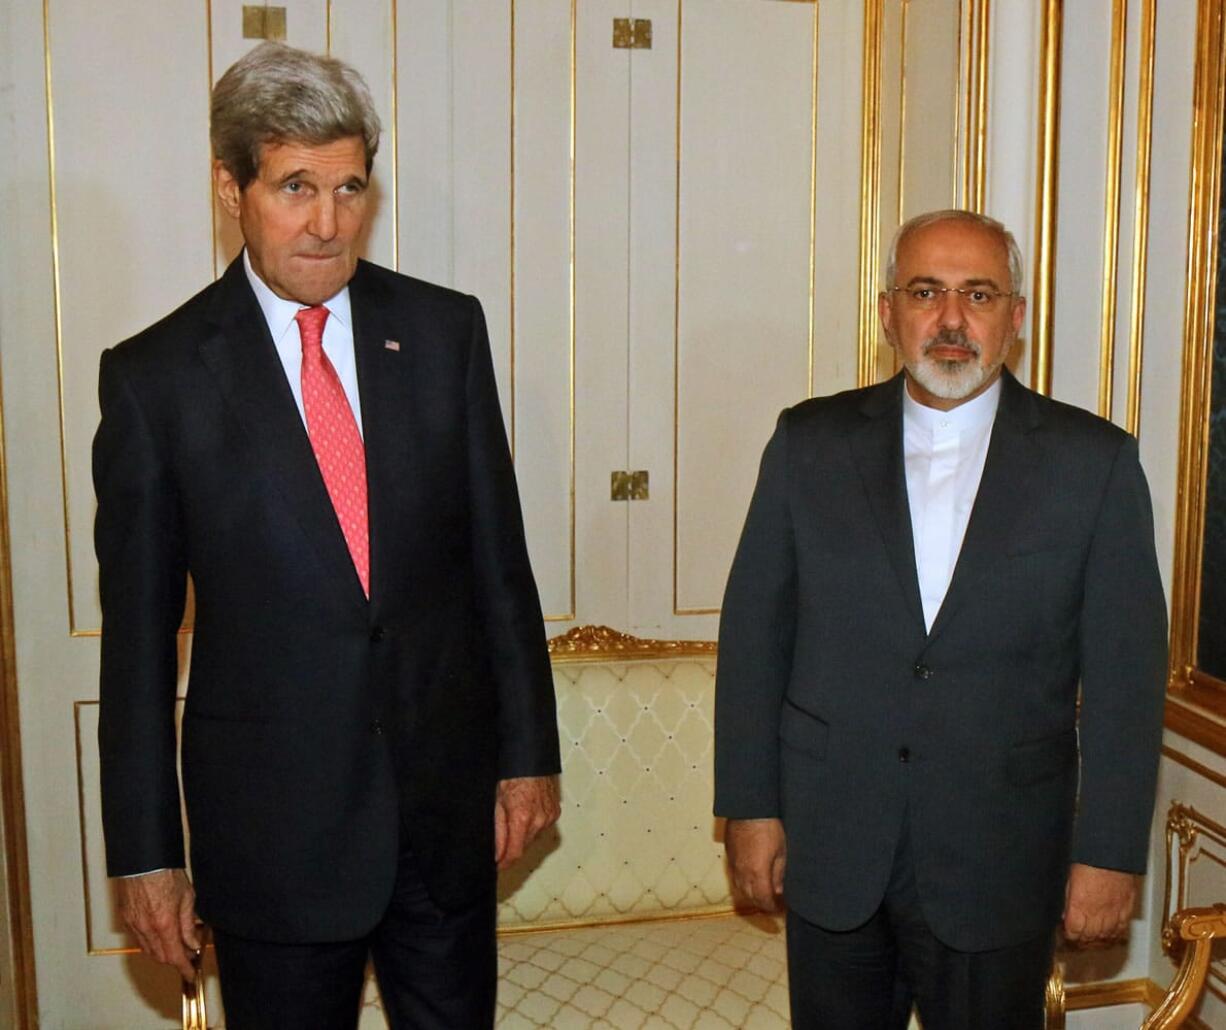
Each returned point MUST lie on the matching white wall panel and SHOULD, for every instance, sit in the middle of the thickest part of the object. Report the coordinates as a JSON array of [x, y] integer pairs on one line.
[[542, 301], [128, 250], [744, 265]]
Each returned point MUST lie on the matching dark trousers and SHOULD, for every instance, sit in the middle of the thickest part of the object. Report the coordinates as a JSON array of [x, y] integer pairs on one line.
[[437, 970], [868, 978]]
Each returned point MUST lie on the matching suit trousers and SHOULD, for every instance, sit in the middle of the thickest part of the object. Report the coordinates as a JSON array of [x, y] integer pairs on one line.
[[868, 978], [436, 969]]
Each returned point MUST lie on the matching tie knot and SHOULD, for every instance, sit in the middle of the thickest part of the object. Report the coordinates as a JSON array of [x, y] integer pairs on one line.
[[311, 326]]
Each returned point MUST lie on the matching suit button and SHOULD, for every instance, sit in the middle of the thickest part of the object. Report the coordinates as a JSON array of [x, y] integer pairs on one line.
[[904, 754], [377, 634], [376, 727], [922, 672]]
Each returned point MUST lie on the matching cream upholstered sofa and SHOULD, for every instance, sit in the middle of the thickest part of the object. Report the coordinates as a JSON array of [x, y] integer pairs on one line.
[[621, 917]]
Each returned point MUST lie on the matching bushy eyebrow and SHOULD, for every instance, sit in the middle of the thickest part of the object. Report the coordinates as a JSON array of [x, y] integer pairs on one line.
[[302, 173], [931, 280]]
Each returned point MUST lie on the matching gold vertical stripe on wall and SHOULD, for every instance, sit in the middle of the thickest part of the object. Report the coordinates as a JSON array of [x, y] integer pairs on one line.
[[870, 189], [1045, 199], [902, 112], [979, 173], [57, 308], [1140, 225], [12, 793], [511, 234], [1209, 91], [1111, 219], [972, 118], [812, 199], [394, 117]]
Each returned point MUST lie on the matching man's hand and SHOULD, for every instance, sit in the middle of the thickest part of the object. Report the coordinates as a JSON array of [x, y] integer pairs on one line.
[[1098, 904], [160, 909], [524, 806], [757, 852]]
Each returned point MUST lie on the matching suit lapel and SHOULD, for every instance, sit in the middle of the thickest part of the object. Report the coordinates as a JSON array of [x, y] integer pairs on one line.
[[1009, 481], [877, 448], [243, 361], [382, 372]]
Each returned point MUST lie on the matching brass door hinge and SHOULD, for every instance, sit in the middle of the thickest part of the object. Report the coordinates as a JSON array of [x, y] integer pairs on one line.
[[632, 33], [628, 486], [261, 22]]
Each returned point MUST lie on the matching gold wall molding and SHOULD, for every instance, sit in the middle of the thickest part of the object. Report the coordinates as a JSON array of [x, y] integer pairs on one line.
[[1191, 763], [1111, 219], [1140, 223], [604, 644], [975, 176], [1047, 171], [12, 791], [1196, 702], [870, 190]]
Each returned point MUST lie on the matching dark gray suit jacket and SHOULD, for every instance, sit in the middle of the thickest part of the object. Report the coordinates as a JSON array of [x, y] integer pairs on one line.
[[839, 713], [322, 730]]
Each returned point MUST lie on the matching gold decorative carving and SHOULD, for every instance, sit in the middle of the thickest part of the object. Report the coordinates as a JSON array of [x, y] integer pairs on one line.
[[1140, 225], [603, 644], [1054, 999], [1196, 702], [1187, 832], [1198, 927]]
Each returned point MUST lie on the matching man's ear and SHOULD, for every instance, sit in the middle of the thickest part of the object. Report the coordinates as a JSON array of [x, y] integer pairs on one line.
[[1019, 314], [228, 190], [886, 313]]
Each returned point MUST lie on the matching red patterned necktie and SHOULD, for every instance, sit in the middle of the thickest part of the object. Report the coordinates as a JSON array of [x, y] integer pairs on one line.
[[335, 439]]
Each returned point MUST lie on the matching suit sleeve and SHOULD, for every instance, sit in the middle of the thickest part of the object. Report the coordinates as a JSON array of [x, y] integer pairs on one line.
[[507, 600], [756, 632], [1123, 675], [142, 574]]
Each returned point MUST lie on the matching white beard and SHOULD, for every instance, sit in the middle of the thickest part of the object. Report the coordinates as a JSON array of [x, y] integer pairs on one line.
[[952, 380]]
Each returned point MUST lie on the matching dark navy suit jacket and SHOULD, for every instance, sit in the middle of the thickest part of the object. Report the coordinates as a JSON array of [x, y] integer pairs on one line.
[[839, 713], [319, 726]]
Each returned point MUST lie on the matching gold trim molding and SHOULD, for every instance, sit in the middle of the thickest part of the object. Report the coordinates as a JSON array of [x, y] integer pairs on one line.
[[12, 791], [1045, 201], [870, 189], [603, 644], [1111, 217], [1196, 702]]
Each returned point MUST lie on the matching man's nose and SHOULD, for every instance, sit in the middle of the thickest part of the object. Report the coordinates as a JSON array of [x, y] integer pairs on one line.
[[323, 217], [951, 311]]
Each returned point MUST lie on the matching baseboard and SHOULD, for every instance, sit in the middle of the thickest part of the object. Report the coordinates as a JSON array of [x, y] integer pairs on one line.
[[1120, 992]]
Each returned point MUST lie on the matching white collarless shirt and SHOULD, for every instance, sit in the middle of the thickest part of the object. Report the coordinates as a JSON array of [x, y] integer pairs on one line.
[[944, 453], [338, 339]]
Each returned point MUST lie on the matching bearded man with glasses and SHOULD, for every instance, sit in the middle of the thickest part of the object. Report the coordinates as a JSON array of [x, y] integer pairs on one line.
[[932, 571]]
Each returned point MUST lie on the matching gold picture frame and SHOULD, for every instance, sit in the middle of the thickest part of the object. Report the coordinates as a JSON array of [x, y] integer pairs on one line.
[[1196, 700]]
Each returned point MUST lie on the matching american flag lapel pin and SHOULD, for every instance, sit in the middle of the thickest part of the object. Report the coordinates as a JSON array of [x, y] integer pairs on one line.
[[391, 345]]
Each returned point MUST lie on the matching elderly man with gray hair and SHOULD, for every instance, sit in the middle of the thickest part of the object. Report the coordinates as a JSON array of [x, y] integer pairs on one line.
[[933, 571], [369, 731]]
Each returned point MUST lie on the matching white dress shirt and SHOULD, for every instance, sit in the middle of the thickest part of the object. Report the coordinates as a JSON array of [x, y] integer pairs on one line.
[[944, 453], [338, 339]]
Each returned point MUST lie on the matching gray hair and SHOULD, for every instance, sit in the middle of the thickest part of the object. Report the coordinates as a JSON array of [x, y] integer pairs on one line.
[[957, 215], [277, 94]]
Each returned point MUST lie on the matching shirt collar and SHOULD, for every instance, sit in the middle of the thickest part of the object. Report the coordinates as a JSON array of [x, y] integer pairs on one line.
[[279, 312], [973, 414]]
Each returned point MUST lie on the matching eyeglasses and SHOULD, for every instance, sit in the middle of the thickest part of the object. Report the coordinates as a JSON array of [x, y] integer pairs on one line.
[[927, 298]]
